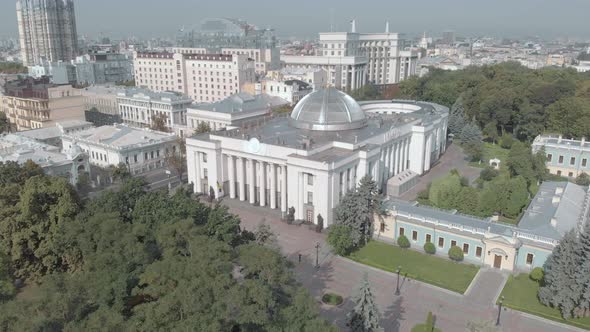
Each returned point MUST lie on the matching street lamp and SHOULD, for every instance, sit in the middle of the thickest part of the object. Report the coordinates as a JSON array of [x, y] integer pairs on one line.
[[317, 255], [499, 310], [397, 286]]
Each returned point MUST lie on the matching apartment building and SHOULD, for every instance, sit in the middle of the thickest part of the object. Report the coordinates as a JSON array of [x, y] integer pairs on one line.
[[138, 107], [265, 59], [203, 77], [35, 103]]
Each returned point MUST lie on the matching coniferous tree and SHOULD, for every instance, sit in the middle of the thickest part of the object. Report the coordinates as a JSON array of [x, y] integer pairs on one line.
[[470, 133], [457, 117], [364, 317], [560, 287], [583, 274], [356, 210]]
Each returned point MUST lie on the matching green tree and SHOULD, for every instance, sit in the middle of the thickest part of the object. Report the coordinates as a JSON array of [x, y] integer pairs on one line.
[[7, 289], [456, 254], [490, 131], [340, 239], [474, 150], [488, 174], [537, 274], [4, 123], [202, 128], [457, 117], [443, 191], [470, 134], [583, 179], [570, 117], [520, 162], [120, 172], [403, 241], [159, 123], [223, 226], [429, 248], [364, 317]]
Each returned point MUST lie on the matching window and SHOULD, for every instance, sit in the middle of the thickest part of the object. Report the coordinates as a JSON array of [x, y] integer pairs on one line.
[[465, 248], [478, 251], [135, 158], [428, 238], [145, 156], [561, 159], [559, 173], [204, 157], [584, 162], [310, 197], [570, 174], [529, 259], [310, 179], [401, 231], [453, 243], [572, 160], [441, 242], [549, 157], [414, 235], [382, 228]]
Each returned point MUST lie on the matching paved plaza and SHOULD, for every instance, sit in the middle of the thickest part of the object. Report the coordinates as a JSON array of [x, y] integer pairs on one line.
[[399, 313]]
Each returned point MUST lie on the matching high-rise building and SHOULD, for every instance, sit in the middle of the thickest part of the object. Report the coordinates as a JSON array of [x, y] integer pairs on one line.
[[47, 30], [448, 37]]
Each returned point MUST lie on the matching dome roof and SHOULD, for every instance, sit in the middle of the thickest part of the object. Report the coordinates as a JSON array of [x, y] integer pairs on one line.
[[328, 110]]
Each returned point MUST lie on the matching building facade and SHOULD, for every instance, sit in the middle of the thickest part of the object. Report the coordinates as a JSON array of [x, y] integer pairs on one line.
[[69, 164], [555, 210], [565, 157], [139, 107], [312, 158], [203, 77], [47, 30], [94, 68], [33, 104], [141, 150], [101, 106], [290, 90]]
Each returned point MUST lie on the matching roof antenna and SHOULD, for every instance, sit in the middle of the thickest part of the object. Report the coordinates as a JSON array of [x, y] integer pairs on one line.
[[331, 19]]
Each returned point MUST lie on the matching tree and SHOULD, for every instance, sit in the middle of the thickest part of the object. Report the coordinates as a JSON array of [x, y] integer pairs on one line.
[[474, 150], [470, 134], [520, 161], [560, 287], [159, 123], [444, 191], [457, 117], [176, 159], [263, 235], [583, 179], [403, 241], [366, 92], [429, 248], [223, 225], [570, 117], [506, 141], [488, 174], [7, 289], [491, 131], [340, 239], [456, 254], [202, 128], [364, 317], [357, 208], [120, 172]]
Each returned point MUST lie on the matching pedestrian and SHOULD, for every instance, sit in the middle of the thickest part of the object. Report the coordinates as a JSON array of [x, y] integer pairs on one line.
[[299, 258]]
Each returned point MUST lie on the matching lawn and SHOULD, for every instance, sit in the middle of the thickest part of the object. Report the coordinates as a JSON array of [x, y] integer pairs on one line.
[[520, 293], [491, 151], [430, 269]]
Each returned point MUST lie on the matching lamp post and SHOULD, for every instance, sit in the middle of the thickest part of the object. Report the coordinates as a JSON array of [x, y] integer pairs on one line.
[[499, 310], [397, 286], [317, 255]]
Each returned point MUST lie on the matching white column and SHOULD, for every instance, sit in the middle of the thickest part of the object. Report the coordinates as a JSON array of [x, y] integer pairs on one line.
[[391, 153], [232, 176], [408, 142], [262, 188], [199, 183], [273, 186], [353, 78], [284, 189], [404, 155], [427, 153], [398, 156], [252, 181], [241, 171], [301, 203]]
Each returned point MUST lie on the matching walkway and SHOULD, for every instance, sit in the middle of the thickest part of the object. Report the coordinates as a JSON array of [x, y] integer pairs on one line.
[[399, 313]]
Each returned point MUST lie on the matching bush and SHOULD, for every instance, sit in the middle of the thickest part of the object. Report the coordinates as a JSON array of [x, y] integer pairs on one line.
[[583, 179], [537, 274], [456, 254], [488, 174], [506, 141], [403, 241], [340, 238], [429, 248], [332, 299]]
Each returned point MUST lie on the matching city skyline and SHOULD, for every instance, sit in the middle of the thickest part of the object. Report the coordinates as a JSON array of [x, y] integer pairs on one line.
[[466, 17]]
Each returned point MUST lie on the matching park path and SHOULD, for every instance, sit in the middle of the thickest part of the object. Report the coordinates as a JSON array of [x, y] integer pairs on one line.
[[399, 313]]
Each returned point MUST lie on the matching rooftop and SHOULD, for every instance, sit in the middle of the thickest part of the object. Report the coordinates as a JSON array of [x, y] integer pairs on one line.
[[20, 149], [559, 141], [121, 136], [240, 102], [145, 94]]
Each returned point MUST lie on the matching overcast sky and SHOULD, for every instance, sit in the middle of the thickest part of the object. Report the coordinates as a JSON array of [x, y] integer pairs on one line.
[[545, 18]]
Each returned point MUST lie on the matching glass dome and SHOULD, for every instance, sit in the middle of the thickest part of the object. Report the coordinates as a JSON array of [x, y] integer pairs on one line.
[[328, 110]]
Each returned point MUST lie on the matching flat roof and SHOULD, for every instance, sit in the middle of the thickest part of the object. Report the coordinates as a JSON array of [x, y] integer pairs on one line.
[[122, 136]]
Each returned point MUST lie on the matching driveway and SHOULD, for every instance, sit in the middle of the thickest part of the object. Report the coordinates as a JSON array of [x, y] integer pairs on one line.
[[399, 313]]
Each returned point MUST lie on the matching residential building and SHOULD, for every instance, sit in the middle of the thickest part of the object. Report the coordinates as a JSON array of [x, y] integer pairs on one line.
[[203, 77], [138, 107], [557, 208], [236, 111], [565, 157], [312, 158], [69, 164], [94, 68], [265, 59], [47, 30], [141, 150], [33, 104], [448, 37]]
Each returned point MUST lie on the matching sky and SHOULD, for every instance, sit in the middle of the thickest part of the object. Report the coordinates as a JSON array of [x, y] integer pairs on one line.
[[305, 18]]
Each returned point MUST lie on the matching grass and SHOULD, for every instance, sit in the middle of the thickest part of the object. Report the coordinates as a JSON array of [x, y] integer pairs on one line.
[[424, 328], [520, 293], [332, 299], [491, 151], [427, 268]]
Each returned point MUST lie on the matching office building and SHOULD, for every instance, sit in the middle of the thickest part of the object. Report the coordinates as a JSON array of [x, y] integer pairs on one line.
[[309, 160], [94, 68], [47, 30], [101, 106], [203, 77]]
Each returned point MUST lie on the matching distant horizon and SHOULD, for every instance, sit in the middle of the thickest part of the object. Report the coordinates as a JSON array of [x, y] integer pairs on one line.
[[153, 19]]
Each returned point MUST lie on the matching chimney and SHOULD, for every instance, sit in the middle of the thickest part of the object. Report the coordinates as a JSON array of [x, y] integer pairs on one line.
[[387, 27], [583, 142], [553, 222], [353, 23], [559, 139]]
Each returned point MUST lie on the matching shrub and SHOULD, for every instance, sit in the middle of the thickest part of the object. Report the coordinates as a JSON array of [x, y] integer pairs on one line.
[[429, 248], [332, 299], [340, 238], [506, 141], [488, 174], [537, 274], [456, 254], [403, 241]]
